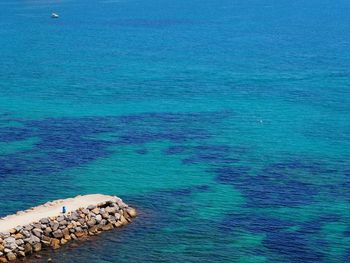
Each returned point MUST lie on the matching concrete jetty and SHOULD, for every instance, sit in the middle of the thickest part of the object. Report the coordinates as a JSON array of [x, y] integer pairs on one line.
[[32, 230]]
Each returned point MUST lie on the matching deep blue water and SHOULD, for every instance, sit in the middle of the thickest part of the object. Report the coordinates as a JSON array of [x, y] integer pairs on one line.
[[225, 123]]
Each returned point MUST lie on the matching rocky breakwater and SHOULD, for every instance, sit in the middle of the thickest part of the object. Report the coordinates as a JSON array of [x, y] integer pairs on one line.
[[55, 231]]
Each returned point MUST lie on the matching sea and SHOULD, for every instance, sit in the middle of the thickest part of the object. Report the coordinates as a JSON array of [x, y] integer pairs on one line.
[[226, 123]]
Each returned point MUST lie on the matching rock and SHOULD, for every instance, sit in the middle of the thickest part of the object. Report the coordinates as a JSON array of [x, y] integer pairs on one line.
[[63, 223], [46, 238], [21, 254], [2, 248], [57, 234], [117, 216], [19, 242], [74, 216], [91, 207], [103, 222], [28, 227], [28, 249], [10, 247], [101, 204], [44, 221], [11, 256], [96, 211], [110, 210], [3, 259], [37, 247], [73, 236], [91, 222], [60, 218], [55, 243], [37, 225], [37, 231], [93, 229], [98, 218], [9, 240], [32, 240], [123, 221], [86, 211], [127, 217], [65, 231], [47, 231], [20, 248], [46, 241], [102, 210], [64, 241], [18, 228], [26, 233], [120, 202], [115, 206], [18, 236], [107, 227], [54, 226], [131, 211], [105, 215], [111, 219], [13, 231], [79, 234]]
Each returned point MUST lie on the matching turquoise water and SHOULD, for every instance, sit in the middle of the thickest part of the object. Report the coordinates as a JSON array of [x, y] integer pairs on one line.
[[225, 123]]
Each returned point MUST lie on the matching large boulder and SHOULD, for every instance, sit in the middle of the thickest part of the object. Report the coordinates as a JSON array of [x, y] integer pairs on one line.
[[131, 212], [47, 231], [60, 218], [91, 207], [96, 211], [28, 249], [36, 225], [9, 240], [28, 227], [37, 231], [55, 243], [54, 225], [98, 218], [105, 215], [57, 234], [11, 256], [107, 227], [18, 236], [37, 247], [19, 242], [91, 222], [64, 241], [26, 233], [63, 223], [32, 240], [44, 221], [110, 210]]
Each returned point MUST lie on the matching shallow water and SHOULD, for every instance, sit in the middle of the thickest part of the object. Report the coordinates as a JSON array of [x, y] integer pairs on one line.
[[226, 123]]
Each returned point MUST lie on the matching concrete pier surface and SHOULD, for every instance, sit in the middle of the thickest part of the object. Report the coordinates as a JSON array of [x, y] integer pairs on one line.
[[51, 209]]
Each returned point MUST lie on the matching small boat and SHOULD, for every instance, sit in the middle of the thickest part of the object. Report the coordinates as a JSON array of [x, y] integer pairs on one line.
[[54, 15]]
